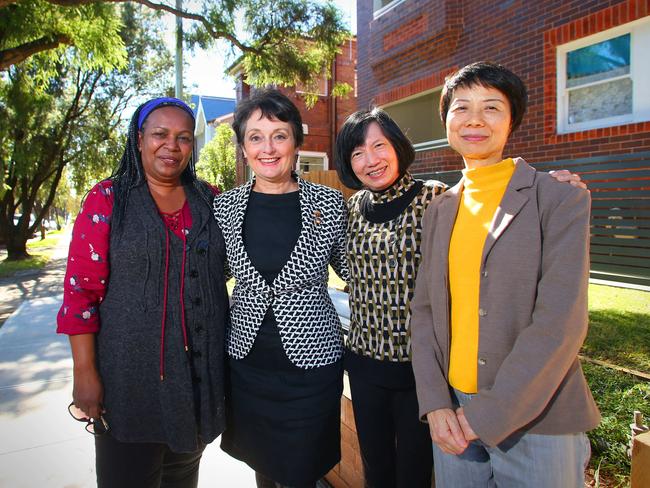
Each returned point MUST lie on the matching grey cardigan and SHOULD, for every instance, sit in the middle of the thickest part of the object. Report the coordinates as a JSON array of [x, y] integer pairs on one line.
[[532, 315], [188, 406]]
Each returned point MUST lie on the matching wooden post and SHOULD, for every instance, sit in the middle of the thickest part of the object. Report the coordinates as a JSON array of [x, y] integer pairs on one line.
[[640, 476]]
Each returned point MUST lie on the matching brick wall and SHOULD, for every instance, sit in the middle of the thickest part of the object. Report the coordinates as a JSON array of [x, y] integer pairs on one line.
[[413, 47]]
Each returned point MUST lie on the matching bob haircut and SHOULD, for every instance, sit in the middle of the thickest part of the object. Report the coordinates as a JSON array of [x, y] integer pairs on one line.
[[489, 75], [274, 105], [353, 135]]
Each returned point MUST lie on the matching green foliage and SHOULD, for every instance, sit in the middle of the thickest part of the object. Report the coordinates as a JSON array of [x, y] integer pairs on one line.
[[74, 121], [281, 42], [287, 42], [217, 161], [618, 395], [92, 29]]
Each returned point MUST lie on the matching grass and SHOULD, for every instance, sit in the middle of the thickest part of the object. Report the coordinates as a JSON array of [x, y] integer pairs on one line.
[[618, 395], [51, 239], [619, 327], [36, 261], [40, 251], [619, 333]]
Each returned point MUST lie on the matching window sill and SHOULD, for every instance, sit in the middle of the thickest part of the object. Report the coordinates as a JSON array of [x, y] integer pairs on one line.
[[386, 8], [431, 145]]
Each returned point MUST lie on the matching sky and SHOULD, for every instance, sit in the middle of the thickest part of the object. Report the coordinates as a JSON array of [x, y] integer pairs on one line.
[[204, 69]]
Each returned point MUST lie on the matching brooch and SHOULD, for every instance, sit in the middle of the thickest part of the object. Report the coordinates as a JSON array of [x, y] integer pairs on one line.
[[317, 216]]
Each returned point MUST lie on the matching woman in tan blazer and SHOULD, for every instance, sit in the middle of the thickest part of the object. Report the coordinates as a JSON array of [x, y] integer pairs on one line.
[[500, 306]]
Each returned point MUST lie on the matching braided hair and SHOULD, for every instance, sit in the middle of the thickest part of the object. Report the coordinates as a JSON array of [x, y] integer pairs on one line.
[[130, 172]]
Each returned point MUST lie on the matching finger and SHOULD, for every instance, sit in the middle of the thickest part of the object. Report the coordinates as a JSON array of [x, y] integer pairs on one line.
[[457, 433], [446, 439], [578, 184], [468, 432]]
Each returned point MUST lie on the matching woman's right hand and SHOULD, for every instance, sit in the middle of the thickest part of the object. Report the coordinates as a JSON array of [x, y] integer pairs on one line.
[[88, 392], [446, 431]]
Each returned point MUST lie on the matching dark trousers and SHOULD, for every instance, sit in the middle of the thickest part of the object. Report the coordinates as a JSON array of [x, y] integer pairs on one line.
[[144, 465], [264, 482], [395, 446]]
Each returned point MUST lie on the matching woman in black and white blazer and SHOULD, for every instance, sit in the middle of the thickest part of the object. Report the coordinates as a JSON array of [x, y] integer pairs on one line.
[[285, 340]]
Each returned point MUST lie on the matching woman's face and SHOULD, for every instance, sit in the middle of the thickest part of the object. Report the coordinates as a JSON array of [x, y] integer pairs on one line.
[[478, 124], [270, 148], [166, 142], [375, 161]]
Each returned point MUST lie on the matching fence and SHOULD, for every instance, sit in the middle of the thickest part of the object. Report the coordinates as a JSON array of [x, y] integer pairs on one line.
[[328, 178], [620, 212]]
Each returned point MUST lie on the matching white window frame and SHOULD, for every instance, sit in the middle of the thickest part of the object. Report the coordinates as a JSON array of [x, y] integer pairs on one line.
[[426, 145], [639, 31], [316, 154], [381, 11]]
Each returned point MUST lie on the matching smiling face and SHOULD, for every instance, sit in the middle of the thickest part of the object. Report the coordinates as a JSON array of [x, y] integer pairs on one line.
[[478, 124], [166, 142], [270, 149], [375, 161]]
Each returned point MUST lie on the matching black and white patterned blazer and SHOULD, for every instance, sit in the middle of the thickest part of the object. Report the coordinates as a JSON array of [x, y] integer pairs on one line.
[[309, 326]]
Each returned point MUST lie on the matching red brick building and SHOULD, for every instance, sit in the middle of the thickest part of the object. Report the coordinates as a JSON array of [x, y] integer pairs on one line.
[[579, 106], [585, 66], [322, 122]]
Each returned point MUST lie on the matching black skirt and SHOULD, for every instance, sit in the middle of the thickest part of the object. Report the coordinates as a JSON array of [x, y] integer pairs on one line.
[[283, 421]]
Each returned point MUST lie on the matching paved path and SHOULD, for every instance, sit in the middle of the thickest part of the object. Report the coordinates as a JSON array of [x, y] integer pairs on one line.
[[34, 283], [41, 446]]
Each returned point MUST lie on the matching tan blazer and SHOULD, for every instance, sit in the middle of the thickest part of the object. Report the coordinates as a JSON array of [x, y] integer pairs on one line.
[[532, 310]]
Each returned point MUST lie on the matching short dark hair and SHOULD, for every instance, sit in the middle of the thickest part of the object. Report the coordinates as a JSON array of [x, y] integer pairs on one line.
[[490, 75], [353, 134], [274, 105]]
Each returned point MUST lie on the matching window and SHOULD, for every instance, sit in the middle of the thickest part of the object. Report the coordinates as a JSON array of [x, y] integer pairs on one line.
[[418, 117], [311, 161], [380, 7], [602, 79]]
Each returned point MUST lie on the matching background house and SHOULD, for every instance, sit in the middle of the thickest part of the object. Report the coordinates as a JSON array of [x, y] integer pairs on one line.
[[589, 96], [321, 122], [210, 112]]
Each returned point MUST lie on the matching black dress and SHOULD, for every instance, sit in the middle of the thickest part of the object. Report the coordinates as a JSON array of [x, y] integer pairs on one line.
[[282, 420]]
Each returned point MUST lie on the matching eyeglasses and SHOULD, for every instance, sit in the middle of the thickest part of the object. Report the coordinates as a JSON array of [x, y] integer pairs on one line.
[[93, 426]]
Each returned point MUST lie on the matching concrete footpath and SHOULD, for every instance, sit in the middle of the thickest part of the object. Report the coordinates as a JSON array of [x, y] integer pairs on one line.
[[41, 446]]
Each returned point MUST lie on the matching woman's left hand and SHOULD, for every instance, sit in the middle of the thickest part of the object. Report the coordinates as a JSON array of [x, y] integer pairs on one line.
[[565, 175], [469, 433]]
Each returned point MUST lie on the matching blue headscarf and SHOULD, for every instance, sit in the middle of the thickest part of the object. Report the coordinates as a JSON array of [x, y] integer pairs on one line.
[[152, 105]]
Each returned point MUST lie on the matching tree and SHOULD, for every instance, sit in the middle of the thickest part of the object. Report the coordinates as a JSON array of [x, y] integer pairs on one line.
[[217, 161], [283, 42], [30, 27], [73, 121]]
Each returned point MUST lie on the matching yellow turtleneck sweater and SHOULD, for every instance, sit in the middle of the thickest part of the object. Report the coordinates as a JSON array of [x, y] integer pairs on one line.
[[483, 189]]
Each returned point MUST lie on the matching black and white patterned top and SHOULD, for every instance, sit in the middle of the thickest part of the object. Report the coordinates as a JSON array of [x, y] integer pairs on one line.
[[309, 326], [383, 257]]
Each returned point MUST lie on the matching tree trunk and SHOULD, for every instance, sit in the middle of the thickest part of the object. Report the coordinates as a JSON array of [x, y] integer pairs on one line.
[[16, 246]]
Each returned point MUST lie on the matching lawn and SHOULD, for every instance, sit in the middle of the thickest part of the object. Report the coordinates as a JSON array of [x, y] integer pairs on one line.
[[619, 333], [619, 327], [40, 251]]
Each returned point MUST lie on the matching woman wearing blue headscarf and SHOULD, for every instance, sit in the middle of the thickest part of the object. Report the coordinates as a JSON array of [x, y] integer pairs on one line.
[[145, 306]]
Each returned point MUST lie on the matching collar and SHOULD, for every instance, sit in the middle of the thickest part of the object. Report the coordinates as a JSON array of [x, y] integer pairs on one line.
[[396, 190]]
